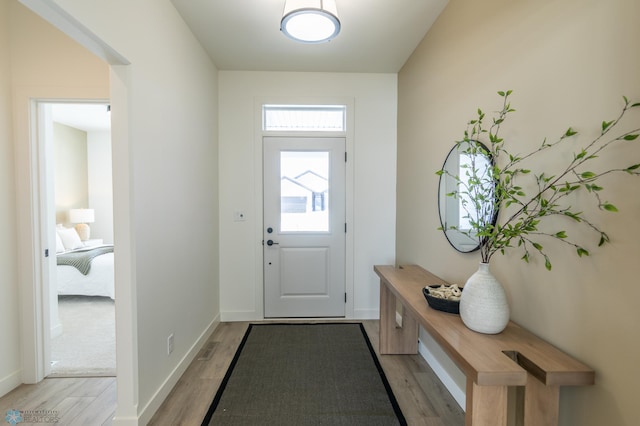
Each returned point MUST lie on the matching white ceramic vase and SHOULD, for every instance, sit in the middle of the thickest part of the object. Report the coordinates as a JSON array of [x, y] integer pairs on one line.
[[483, 304]]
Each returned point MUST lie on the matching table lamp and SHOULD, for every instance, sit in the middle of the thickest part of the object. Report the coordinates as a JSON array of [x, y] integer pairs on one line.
[[82, 217]]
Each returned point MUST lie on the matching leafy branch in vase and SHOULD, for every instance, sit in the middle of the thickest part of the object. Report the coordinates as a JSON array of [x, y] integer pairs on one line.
[[500, 185]]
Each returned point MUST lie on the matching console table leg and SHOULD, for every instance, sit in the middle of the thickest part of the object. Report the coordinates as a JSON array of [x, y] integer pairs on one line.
[[394, 339], [486, 405], [541, 403]]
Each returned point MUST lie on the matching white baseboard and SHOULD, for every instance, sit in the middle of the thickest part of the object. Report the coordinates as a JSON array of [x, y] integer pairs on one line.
[[126, 421], [458, 394], [235, 316], [10, 382], [366, 314], [163, 391]]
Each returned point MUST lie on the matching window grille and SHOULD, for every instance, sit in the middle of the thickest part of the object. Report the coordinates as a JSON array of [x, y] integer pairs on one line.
[[316, 118]]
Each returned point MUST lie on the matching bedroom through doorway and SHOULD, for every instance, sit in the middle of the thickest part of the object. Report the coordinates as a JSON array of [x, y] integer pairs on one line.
[[77, 163]]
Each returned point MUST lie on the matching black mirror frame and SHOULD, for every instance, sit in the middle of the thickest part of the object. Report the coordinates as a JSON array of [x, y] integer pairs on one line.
[[455, 149]]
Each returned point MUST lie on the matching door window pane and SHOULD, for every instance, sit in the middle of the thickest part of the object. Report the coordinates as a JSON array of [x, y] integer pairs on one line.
[[304, 191]]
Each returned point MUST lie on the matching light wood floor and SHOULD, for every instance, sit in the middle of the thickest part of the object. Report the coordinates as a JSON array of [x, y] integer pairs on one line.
[[91, 401]]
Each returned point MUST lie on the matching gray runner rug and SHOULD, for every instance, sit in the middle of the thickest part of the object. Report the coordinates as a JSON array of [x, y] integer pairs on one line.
[[305, 374]]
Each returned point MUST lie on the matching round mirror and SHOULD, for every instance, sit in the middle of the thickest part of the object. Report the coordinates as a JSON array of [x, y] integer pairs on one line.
[[465, 194]]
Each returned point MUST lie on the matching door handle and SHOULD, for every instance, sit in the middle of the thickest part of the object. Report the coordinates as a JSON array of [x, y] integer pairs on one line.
[[271, 242]]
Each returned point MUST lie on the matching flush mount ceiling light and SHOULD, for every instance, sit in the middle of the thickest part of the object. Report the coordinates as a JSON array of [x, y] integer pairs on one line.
[[310, 21]]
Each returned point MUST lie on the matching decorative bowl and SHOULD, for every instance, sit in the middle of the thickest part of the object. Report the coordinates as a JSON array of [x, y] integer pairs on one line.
[[440, 304]]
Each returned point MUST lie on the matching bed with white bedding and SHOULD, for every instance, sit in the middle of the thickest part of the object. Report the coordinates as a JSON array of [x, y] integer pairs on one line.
[[91, 269], [99, 281]]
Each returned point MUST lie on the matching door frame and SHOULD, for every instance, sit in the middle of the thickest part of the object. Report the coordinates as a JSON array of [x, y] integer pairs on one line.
[[118, 92], [43, 233], [31, 190], [348, 135]]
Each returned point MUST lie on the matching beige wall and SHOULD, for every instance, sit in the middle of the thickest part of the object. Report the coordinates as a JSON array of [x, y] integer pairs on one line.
[[9, 314], [71, 171], [569, 63]]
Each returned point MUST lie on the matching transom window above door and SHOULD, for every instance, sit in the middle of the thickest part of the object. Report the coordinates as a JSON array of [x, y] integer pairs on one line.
[[306, 118]]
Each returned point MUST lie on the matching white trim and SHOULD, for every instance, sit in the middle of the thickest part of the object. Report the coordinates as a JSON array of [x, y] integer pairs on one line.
[[458, 394], [30, 202], [10, 382], [234, 316], [59, 18], [366, 314]]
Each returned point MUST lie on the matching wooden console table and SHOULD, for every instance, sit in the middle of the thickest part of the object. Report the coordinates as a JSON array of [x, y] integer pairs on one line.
[[491, 363]]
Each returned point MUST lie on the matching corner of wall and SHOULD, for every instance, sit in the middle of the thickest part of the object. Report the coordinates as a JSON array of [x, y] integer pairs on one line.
[[147, 412]]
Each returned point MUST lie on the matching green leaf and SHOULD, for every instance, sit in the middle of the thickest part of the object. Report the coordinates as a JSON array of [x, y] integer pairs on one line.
[[634, 167], [606, 124], [561, 234], [440, 172], [574, 216], [630, 137], [582, 252], [547, 263], [537, 246], [501, 93], [609, 207], [587, 175], [604, 238], [570, 132]]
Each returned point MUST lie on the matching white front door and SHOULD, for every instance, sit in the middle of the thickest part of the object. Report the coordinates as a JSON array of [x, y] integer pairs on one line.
[[304, 227]]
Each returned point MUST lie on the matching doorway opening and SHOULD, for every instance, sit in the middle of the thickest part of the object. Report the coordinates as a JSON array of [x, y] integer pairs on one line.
[[78, 207]]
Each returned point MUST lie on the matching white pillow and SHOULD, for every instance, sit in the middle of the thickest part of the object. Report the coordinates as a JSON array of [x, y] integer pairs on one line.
[[59, 244], [70, 238]]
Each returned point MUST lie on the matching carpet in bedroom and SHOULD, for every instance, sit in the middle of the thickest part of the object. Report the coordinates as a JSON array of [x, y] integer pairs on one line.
[[87, 346]]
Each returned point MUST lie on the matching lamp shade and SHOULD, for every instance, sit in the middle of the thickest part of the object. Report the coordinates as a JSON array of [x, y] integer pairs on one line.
[[310, 21], [81, 216]]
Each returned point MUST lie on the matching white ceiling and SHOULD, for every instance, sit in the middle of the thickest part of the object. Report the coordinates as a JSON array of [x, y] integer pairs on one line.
[[86, 117], [377, 36]]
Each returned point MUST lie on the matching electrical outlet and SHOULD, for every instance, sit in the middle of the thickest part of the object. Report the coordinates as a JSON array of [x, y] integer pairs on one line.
[[170, 344]]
